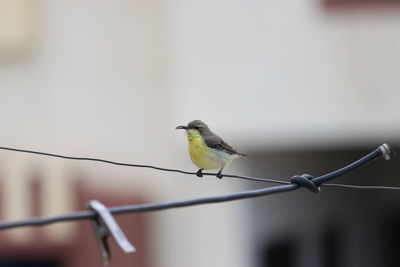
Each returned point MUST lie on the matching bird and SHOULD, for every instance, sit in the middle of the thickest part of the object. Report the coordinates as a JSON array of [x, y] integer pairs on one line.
[[207, 150]]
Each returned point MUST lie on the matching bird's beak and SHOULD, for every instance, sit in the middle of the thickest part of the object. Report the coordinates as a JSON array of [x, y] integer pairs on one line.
[[181, 127]]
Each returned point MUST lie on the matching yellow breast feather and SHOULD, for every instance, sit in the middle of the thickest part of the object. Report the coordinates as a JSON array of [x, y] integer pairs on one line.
[[200, 154]]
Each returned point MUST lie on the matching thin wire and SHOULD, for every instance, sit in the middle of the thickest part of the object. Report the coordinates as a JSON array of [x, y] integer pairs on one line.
[[257, 179], [363, 186], [89, 214], [95, 159]]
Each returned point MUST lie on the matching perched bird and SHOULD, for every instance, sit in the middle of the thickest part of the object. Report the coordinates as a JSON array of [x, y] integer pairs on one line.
[[207, 150]]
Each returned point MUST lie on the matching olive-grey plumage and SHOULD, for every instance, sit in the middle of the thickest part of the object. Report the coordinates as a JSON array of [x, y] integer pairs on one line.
[[219, 153], [211, 139]]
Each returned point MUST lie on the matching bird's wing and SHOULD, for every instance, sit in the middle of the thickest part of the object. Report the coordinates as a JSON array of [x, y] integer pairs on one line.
[[216, 142]]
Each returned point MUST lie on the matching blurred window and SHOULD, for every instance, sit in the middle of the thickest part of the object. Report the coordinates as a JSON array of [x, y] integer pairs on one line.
[[27, 263], [279, 254]]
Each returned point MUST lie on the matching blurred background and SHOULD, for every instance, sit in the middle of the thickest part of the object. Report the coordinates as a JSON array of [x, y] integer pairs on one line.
[[301, 87]]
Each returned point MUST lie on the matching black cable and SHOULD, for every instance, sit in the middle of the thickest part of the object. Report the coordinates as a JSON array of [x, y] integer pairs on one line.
[[89, 214], [215, 199], [364, 160]]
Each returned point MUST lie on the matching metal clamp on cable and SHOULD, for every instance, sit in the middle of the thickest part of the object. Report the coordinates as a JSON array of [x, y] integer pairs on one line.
[[305, 180], [105, 225]]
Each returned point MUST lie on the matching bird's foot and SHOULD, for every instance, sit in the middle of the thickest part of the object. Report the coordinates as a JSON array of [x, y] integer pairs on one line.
[[219, 174], [199, 173]]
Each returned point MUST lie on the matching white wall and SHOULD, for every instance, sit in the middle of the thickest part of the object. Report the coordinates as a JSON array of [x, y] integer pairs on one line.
[[271, 73]]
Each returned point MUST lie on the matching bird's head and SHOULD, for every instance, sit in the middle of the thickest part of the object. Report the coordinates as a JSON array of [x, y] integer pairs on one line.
[[195, 126]]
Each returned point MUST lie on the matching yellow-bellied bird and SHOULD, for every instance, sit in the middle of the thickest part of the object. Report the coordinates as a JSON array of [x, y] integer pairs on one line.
[[207, 150]]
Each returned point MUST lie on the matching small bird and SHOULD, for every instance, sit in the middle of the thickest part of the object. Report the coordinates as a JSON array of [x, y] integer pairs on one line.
[[207, 150]]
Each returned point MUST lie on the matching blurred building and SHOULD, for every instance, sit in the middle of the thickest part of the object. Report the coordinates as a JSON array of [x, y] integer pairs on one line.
[[302, 87], [337, 227], [66, 244]]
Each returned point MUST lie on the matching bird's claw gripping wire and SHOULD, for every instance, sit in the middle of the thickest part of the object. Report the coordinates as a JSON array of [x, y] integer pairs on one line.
[[306, 181], [199, 173]]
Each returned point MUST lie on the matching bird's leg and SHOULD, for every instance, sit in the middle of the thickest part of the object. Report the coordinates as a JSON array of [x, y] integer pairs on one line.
[[219, 174], [199, 173]]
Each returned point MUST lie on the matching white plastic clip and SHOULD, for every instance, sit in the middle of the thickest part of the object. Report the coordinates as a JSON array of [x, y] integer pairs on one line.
[[105, 225], [385, 151]]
